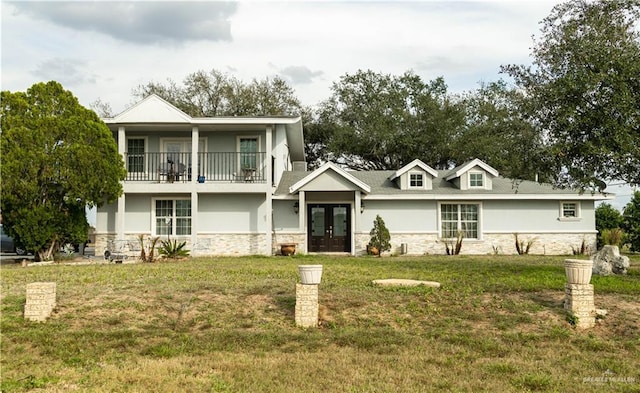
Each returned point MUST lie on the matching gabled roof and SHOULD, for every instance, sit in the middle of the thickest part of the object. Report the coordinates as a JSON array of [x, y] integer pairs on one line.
[[335, 168], [381, 187], [460, 170], [411, 165], [152, 109]]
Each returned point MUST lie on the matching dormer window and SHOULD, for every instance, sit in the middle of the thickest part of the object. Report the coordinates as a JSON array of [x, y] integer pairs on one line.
[[416, 180], [476, 180]]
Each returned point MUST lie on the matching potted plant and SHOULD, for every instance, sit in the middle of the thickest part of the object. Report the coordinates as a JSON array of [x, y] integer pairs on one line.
[[310, 274], [578, 271], [287, 249]]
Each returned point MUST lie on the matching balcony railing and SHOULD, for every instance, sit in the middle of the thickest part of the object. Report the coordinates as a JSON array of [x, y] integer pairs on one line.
[[176, 167]]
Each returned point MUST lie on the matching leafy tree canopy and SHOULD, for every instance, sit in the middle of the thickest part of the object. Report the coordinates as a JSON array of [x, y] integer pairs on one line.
[[57, 158], [631, 221], [381, 121], [213, 93], [607, 217], [496, 132], [583, 91]]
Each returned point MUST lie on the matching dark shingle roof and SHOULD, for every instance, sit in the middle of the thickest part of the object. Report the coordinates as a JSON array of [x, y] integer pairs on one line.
[[381, 185]]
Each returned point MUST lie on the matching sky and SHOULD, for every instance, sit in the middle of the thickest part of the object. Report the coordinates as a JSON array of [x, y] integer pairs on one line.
[[103, 50]]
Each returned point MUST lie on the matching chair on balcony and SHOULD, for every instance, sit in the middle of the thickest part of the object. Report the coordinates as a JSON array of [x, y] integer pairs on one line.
[[171, 172]]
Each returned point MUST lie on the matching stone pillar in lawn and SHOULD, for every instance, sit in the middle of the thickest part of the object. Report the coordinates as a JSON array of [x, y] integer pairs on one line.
[[41, 300], [307, 295], [579, 294]]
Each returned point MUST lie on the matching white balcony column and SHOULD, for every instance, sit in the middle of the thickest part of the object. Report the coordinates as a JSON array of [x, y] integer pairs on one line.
[[195, 137], [302, 216], [268, 190], [120, 216], [122, 145], [194, 219], [356, 217], [120, 219]]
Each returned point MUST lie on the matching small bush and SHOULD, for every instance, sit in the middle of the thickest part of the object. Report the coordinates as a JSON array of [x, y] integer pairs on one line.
[[380, 237], [523, 246], [454, 248], [173, 249], [613, 237]]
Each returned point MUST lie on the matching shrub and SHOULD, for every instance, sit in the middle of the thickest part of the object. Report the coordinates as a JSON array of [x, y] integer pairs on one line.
[[613, 237], [173, 249], [523, 246], [454, 249], [631, 221], [380, 237], [147, 253]]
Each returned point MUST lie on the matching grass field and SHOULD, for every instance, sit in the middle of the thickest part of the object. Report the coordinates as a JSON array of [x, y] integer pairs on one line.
[[227, 325]]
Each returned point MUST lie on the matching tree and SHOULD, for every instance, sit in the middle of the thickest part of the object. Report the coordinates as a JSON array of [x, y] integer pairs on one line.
[[380, 237], [381, 121], [607, 217], [213, 93], [631, 221], [57, 158], [583, 91], [497, 132]]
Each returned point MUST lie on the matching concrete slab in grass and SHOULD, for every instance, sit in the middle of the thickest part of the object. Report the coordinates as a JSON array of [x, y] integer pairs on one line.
[[399, 282]]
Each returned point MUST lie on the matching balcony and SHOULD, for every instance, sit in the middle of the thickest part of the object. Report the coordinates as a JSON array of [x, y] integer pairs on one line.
[[213, 167]]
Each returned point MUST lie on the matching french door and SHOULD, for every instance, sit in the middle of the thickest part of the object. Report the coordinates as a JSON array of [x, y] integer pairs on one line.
[[329, 227]]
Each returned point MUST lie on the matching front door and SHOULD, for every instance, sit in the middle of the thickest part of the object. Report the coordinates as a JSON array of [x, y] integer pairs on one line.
[[329, 227]]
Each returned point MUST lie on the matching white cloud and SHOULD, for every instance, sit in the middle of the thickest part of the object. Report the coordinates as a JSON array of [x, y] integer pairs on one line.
[[105, 49], [139, 22]]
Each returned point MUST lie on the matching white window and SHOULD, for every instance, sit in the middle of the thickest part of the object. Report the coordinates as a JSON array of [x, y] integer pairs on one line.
[[172, 217], [248, 148], [459, 217], [416, 180], [476, 180], [569, 210], [136, 159]]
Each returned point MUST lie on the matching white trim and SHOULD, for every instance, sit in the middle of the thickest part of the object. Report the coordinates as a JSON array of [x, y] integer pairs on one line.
[[577, 217], [145, 155], [422, 178], [463, 197], [544, 232], [412, 165], [483, 178], [325, 167], [470, 165], [439, 218], [170, 198]]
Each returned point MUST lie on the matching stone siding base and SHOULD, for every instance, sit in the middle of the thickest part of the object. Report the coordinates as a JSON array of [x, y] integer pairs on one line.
[[492, 243], [230, 244], [223, 244]]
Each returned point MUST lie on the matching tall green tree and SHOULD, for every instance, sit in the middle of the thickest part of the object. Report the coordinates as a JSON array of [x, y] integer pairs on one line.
[[631, 221], [382, 121], [497, 132], [213, 93], [57, 158], [583, 91]]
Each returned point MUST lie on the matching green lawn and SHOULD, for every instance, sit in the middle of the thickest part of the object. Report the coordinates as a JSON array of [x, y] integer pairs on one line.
[[227, 325]]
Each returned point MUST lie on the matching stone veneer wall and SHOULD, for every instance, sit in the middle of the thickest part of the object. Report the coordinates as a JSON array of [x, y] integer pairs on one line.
[[501, 243], [224, 244], [299, 239]]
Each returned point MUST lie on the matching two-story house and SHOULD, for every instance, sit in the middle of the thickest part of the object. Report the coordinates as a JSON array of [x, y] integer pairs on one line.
[[239, 186]]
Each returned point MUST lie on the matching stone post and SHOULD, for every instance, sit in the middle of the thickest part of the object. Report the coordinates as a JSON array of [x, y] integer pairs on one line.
[[580, 304], [578, 292], [307, 305], [41, 299]]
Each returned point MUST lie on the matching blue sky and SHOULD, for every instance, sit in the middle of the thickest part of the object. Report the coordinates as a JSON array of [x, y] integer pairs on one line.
[[102, 50]]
